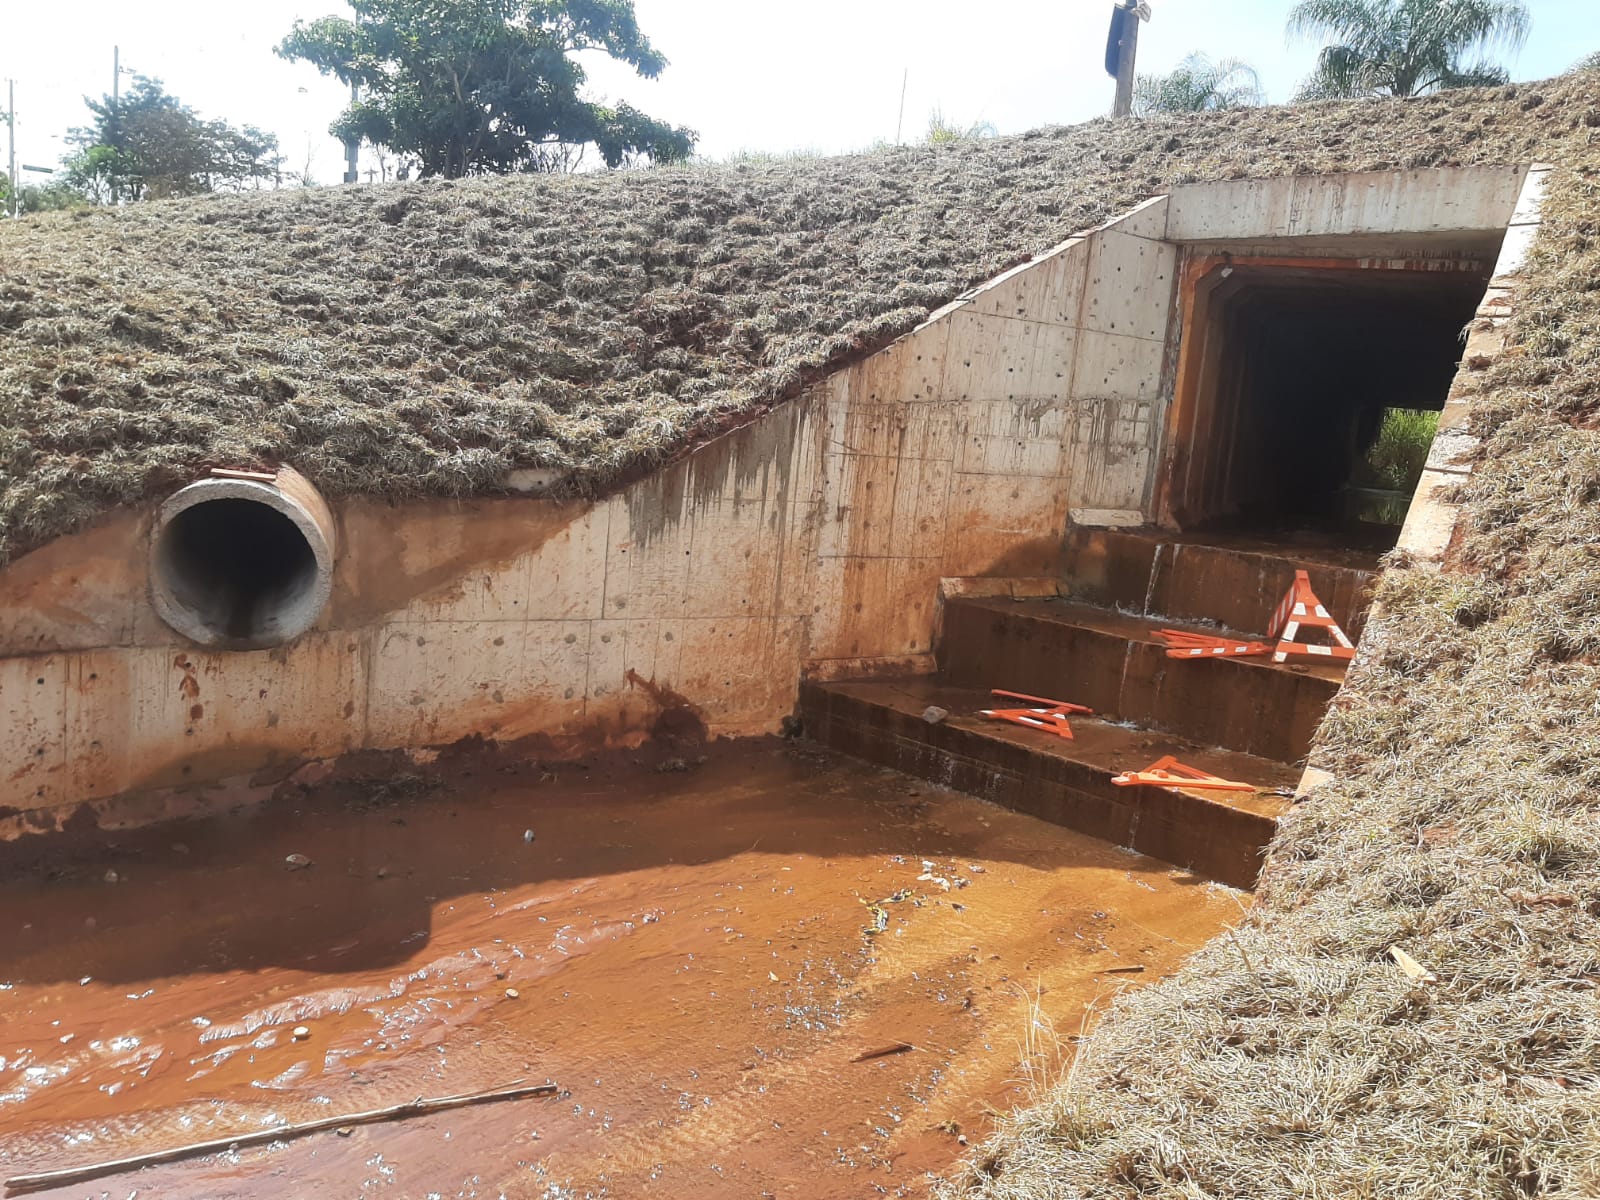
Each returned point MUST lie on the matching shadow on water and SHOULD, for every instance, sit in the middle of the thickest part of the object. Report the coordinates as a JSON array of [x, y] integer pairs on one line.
[[218, 894]]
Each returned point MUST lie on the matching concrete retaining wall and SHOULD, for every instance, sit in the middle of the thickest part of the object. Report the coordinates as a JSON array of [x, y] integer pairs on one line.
[[811, 540]]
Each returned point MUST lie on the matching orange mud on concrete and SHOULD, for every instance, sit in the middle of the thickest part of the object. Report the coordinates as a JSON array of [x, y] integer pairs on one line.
[[688, 951]]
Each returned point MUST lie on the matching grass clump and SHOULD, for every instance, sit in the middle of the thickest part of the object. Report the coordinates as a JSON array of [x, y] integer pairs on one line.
[[426, 339], [1463, 825], [1400, 450]]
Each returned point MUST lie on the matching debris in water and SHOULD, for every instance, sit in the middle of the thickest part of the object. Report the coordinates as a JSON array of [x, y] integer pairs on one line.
[[512, 993], [527, 835], [112, 876], [928, 876], [296, 862], [883, 1052], [880, 915], [935, 715], [261, 1137], [1123, 970], [301, 1032]]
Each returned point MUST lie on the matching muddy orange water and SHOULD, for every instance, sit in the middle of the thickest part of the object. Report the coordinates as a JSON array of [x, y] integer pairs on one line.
[[690, 956]]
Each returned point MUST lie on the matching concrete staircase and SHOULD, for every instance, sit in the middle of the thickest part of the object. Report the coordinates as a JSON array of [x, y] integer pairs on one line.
[[1095, 643]]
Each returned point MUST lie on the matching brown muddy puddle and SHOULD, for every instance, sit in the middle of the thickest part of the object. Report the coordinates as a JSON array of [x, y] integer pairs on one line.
[[689, 953]]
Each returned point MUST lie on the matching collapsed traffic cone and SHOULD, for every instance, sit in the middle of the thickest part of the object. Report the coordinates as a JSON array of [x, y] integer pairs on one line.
[[1050, 715], [1181, 644], [1300, 607], [1169, 772]]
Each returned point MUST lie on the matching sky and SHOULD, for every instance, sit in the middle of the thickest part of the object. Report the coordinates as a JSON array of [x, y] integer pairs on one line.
[[825, 75]]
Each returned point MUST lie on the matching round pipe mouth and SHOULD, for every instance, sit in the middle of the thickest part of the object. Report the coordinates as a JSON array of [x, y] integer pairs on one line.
[[242, 563]]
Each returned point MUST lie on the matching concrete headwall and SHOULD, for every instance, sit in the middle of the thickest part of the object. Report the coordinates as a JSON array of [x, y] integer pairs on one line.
[[813, 539]]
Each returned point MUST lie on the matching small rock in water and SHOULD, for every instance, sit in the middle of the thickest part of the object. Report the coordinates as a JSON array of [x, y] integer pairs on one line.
[[512, 993], [296, 862], [112, 876], [301, 1032], [179, 848], [933, 714], [527, 835]]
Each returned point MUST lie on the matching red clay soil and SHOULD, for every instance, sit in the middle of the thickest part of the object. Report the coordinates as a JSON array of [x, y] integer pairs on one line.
[[688, 951]]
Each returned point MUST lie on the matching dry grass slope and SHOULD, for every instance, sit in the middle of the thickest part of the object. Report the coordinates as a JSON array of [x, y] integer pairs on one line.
[[425, 339], [1464, 826]]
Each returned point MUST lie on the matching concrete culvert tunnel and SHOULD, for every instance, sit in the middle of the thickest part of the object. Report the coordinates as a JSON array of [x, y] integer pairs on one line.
[[243, 563], [1294, 372]]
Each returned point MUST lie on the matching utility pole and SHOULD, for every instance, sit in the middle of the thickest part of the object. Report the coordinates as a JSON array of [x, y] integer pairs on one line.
[[116, 73], [352, 148], [11, 126], [1122, 50]]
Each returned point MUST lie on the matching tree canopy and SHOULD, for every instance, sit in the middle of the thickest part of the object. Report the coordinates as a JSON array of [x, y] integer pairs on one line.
[[1406, 47], [146, 144], [479, 86], [1198, 85]]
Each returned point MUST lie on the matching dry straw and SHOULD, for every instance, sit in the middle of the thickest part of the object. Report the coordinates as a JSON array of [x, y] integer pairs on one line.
[[426, 339], [1463, 826]]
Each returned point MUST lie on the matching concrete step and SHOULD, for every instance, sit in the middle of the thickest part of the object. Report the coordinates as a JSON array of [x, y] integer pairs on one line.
[[1117, 665], [1234, 581], [1220, 835]]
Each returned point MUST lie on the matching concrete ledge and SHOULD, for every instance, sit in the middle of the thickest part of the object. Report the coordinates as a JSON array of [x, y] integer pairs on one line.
[[1220, 835]]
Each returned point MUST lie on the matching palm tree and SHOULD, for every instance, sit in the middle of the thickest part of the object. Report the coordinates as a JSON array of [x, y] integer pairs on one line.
[[1198, 85], [1406, 47]]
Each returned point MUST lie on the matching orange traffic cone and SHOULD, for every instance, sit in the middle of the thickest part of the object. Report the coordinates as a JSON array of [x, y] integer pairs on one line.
[[1051, 715], [1169, 772], [1181, 644], [1300, 606]]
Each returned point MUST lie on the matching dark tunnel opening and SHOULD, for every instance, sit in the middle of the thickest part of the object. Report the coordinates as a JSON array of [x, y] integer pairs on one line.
[[1313, 394], [238, 568]]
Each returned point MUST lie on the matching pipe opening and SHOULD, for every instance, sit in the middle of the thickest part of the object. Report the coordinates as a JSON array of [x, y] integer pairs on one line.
[[239, 564]]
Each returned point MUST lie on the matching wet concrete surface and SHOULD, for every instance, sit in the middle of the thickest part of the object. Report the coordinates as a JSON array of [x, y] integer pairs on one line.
[[698, 956]]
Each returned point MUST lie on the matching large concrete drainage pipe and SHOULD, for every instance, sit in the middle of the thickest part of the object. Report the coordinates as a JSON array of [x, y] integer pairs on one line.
[[243, 561]]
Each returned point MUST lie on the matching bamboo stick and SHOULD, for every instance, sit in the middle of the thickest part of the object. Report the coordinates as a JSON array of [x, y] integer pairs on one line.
[[18, 1184]]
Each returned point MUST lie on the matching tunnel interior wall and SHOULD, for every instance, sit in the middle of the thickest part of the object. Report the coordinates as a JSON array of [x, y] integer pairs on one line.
[[812, 540], [1289, 365]]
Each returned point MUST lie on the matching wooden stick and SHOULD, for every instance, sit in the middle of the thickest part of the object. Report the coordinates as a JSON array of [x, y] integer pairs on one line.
[[883, 1052], [256, 476], [18, 1184]]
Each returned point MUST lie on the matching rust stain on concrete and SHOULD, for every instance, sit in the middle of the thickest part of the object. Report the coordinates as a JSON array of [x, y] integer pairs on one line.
[[394, 555]]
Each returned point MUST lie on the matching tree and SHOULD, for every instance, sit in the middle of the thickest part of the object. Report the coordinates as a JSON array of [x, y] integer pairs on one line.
[[146, 144], [474, 86], [1198, 85], [941, 130], [1589, 62], [1406, 47], [47, 197]]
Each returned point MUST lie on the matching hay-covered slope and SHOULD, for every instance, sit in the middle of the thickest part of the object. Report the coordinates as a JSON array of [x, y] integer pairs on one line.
[[1463, 825], [426, 338]]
